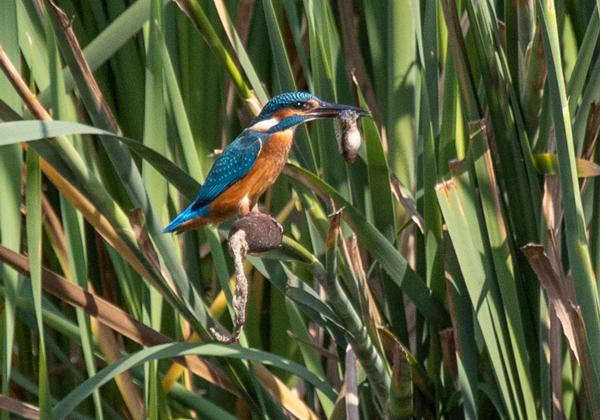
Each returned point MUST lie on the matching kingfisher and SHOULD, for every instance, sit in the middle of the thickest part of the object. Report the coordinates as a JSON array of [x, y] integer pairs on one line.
[[252, 162]]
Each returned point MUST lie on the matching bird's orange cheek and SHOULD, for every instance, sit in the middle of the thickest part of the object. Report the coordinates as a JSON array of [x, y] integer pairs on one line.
[[283, 114]]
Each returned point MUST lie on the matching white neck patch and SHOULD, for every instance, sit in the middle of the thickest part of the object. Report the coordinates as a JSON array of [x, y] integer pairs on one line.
[[264, 125]]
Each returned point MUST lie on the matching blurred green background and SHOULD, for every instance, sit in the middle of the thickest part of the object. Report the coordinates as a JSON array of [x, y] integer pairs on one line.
[[459, 281]]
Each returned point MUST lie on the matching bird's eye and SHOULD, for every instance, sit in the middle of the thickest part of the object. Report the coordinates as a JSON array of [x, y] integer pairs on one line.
[[305, 106]]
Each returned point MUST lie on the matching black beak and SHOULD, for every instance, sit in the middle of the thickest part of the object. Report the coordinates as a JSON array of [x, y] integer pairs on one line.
[[329, 110]]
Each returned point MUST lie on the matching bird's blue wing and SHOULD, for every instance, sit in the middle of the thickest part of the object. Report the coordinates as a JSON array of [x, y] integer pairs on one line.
[[234, 163]]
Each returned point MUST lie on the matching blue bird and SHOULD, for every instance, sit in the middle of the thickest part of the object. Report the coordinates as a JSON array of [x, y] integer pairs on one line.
[[253, 161]]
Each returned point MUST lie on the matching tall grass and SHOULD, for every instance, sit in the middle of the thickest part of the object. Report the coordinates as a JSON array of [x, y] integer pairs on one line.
[[451, 271]]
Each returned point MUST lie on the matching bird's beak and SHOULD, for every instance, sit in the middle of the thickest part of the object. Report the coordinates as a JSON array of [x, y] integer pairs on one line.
[[329, 110]]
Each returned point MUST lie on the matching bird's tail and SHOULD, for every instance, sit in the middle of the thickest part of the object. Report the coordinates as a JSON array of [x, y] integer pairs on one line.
[[180, 222]]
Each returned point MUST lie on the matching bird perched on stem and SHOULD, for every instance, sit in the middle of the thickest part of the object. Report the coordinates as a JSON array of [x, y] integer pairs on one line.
[[253, 161]]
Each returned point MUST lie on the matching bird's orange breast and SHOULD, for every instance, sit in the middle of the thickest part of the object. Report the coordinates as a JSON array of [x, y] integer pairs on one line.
[[243, 195]]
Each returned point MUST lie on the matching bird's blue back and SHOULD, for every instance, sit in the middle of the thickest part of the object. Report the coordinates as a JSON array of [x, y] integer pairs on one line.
[[235, 162]]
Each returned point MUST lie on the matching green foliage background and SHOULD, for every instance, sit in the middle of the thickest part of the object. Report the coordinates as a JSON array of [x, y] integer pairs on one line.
[[461, 274]]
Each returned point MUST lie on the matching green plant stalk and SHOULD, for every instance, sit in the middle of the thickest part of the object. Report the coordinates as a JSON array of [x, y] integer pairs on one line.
[[155, 124], [515, 159], [367, 354], [155, 130], [194, 11], [35, 57], [285, 82], [295, 22], [459, 208], [124, 69], [451, 140], [577, 245], [532, 85], [356, 332], [591, 95], [310, 356], [326, 38], [34, 245], [461, 63], [77, 261], [71, 220], [324, 48], [188, 147], [400, 91], [525, 26], [504, 265], [242, 55], [461, 313], [428, 40], [433, 259], [10, 222], [582, 65], [384, 217], [428, 174]]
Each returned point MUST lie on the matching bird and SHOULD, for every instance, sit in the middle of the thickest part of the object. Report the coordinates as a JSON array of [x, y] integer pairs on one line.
[[251, 163]]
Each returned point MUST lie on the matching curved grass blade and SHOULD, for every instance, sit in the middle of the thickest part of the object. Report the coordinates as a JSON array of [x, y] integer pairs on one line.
[[18, 131], [66, 405]]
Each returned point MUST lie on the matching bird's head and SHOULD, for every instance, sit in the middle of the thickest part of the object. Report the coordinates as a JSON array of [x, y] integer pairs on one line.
[[287, 110]]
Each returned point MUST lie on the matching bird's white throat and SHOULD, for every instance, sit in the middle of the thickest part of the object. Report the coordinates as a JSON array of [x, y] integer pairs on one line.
[[264, 125]]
